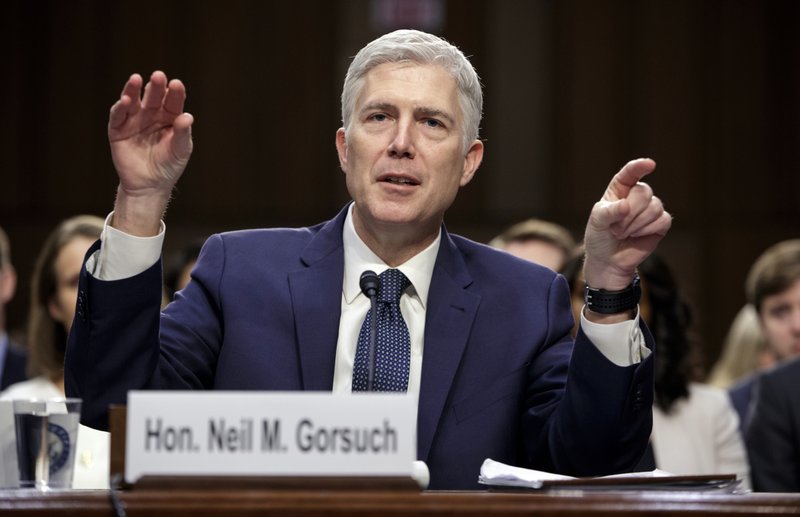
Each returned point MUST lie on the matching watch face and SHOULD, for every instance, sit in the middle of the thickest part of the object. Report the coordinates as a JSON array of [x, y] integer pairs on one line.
[[59, 446]]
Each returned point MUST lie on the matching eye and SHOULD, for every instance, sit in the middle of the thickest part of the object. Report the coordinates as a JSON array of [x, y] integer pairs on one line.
[[378, 117], [779, 312], [432, 122]]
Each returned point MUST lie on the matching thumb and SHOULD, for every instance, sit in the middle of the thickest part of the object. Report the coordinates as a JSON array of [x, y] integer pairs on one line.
[[182, 135], [623, 181]]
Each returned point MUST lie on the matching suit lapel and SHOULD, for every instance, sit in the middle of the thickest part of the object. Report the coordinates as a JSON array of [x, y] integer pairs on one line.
[[316, 292], [450, 313]]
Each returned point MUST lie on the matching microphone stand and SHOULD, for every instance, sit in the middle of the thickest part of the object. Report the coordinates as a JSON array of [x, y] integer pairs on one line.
[[369, 283], [372, 336]]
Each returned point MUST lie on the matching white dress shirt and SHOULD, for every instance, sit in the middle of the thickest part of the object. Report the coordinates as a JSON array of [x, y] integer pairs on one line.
[[355, 305]]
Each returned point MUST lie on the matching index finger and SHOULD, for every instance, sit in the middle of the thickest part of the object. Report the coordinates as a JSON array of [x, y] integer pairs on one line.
[[623, 181], [133, 87]]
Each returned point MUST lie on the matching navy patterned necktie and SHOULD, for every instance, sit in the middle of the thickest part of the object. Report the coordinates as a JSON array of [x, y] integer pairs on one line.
[[392, 342]]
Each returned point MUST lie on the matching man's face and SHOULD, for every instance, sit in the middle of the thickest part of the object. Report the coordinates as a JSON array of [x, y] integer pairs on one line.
[[780, 320], [539, 251], [403, 155]]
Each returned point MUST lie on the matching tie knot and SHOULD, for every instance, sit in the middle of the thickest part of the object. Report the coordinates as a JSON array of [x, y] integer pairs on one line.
[[393, 283]]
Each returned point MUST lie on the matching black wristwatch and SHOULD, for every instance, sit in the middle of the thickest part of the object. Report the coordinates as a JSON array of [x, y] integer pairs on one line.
[[613, 302]]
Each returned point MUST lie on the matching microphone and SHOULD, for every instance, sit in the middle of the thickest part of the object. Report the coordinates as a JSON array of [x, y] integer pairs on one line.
[[369, 283]]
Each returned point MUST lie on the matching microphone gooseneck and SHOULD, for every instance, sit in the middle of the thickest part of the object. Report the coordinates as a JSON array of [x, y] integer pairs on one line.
[[369, 283]]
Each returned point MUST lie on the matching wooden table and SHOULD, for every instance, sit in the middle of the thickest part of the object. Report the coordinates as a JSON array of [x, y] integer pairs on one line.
[[294, 502]]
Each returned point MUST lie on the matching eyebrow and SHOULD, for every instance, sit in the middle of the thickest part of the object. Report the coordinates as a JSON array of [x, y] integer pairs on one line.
[[382, 106], [434, 113], [779, 306], [427, 112]]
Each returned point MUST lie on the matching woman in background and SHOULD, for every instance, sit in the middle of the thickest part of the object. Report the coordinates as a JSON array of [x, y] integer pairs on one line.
[[54, 292], [744, 351]]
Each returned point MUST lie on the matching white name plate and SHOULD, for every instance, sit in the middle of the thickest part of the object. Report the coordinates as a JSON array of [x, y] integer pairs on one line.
[[246, 433]]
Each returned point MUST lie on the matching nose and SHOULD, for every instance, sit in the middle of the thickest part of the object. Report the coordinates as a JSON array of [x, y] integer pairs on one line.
[[402, 144]]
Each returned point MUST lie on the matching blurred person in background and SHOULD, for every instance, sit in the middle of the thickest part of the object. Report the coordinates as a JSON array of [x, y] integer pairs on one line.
[[744, 351], [539, 241], [13, 356], [178, 271], [773, 288], [54, 292]]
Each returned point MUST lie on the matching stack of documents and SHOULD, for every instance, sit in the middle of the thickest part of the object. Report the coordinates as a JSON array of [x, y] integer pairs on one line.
[[499, 475]]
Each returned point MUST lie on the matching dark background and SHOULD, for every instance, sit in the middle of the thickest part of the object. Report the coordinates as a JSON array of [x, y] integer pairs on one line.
[[574, 89]]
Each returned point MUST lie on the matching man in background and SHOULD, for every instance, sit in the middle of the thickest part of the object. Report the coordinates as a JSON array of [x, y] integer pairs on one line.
[[773, 288], [773, 410], [543, 242], [12, 356]]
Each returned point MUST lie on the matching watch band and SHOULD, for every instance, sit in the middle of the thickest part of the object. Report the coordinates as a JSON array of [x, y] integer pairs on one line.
[[613, 302]]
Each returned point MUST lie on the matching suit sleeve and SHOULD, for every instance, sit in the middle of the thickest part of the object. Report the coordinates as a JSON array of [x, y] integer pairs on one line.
[[121, 341], [603, 422], [113, 342]]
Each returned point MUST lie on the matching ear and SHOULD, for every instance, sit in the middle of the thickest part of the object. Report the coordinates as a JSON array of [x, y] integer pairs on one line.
[[341, 148], [8, 284], [472, 161]]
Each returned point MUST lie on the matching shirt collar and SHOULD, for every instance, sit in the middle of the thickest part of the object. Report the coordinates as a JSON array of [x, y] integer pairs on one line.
[[359, 258]]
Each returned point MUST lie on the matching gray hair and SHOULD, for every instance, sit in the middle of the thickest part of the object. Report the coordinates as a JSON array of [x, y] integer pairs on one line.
[[418, 47]]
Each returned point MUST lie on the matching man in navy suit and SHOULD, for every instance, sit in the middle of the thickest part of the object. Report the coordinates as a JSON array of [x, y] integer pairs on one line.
[[489, 334]]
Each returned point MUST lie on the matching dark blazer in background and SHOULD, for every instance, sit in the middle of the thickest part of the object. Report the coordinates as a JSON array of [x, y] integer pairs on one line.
[[773, 437], [14, 366], [741, 395], [262, 313]]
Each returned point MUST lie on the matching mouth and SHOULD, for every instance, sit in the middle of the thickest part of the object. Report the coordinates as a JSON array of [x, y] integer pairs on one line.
[[398, 179]]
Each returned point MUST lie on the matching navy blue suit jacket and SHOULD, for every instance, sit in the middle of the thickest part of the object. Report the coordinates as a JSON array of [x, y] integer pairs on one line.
[[773, 436], [262, 313], [741, 395]]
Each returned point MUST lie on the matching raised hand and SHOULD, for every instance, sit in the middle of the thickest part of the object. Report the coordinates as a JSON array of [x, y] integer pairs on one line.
[[625, 226], [151, 142]]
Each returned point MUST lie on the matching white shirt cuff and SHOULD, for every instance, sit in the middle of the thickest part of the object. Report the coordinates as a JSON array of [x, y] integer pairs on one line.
[[122, 255], [609, 339]]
